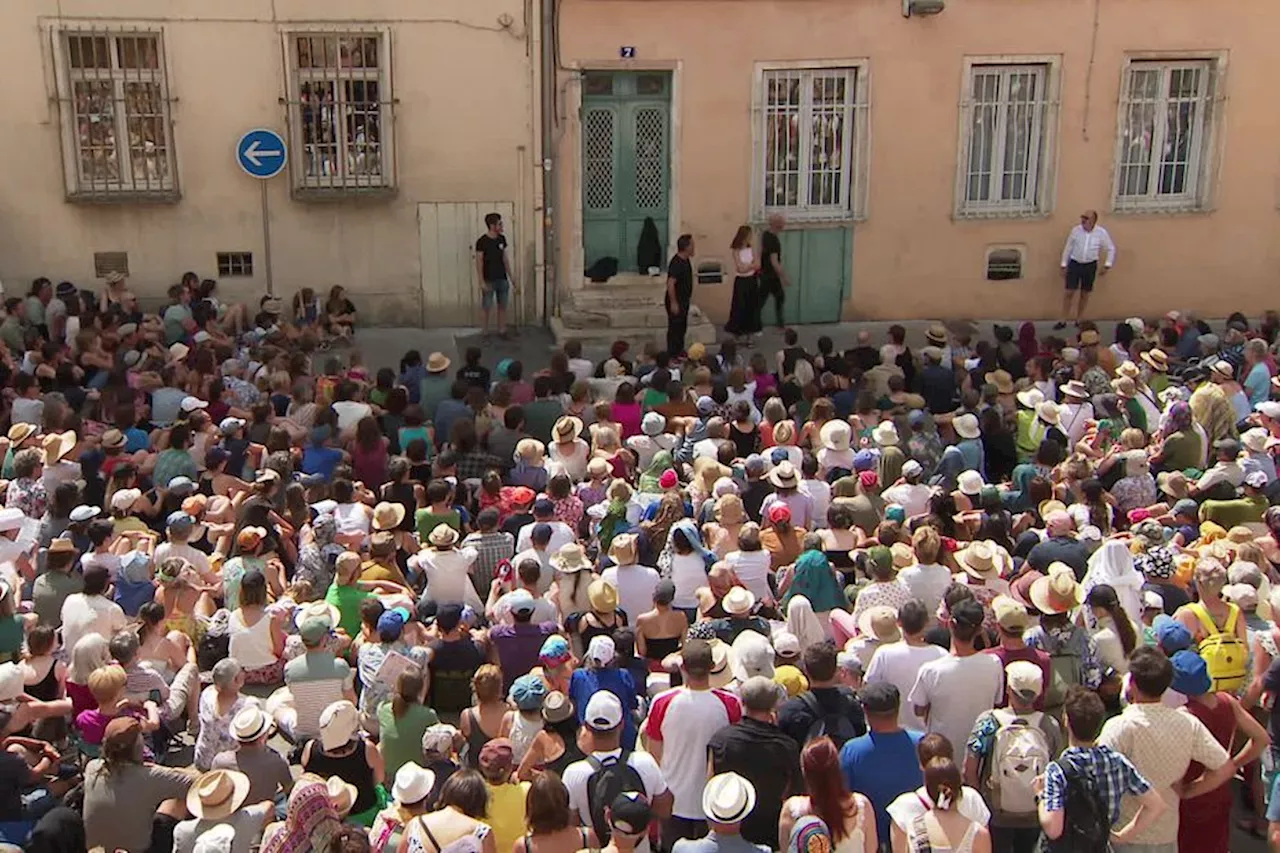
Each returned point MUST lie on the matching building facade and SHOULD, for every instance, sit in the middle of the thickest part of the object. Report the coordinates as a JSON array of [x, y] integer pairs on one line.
[[406, 122], [928, 166]]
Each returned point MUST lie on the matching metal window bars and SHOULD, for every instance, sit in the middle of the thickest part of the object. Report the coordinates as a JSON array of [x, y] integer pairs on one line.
[[117, 108], [340, 112], [1006, 114]]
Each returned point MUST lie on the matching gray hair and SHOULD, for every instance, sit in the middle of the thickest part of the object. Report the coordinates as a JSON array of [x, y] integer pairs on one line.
[[849, 662], [124, 646], [761, 694], [1242, 571], [225, 673], [1257, 347], [25, 462]]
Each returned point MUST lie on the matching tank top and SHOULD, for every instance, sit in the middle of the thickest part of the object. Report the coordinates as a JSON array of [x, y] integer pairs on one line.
[[476, 740], [570, 755], [251, 645], [657, 648], [351, 768], [403, 494], [522, 733], [351, 518], [46, 689]]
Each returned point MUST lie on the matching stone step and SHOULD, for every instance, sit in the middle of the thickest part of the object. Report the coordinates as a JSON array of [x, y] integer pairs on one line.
[[700, 331]]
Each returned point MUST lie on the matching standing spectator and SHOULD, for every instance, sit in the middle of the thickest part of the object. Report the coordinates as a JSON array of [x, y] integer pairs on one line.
[[952, 691], [881, 764], [847, 815], [727, 801], [899, 663], [1012, 621], [826, 708]]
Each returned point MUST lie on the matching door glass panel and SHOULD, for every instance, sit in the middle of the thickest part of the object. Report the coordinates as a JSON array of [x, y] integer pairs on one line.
[[650, 135], [651, 84], [597, 83], [598, 156]]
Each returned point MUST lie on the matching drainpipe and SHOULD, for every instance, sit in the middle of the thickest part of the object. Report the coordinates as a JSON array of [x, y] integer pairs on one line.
[[550, 188]]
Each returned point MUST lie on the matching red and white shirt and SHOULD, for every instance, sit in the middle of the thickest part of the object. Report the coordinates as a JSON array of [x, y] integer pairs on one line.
[[684, 720]]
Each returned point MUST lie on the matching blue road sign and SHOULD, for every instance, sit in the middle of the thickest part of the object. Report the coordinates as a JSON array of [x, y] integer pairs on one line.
[[262, 153]]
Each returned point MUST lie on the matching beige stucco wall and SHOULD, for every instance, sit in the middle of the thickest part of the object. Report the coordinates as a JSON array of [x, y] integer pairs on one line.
[[911, 258], [465, 130]]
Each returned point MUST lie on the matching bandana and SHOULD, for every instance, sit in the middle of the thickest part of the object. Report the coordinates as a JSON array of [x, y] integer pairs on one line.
[[1156, 563]]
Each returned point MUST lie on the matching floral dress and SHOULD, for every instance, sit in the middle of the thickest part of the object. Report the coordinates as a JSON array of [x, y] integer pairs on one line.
[[215, 729]]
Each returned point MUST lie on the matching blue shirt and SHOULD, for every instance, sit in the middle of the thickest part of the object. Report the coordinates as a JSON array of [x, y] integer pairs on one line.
[[318, 459], [166, 403], [1110, 771], [1257, 384], [883, 766], [585, 682], [135, 440]]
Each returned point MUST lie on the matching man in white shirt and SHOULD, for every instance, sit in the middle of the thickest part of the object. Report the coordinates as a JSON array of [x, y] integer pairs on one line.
[[1085, 246], [528, 573], [91, 612], [540, 551], [899, 663], [909, 493], [635, 583], [350, 412], [953, 690], [544, 512]]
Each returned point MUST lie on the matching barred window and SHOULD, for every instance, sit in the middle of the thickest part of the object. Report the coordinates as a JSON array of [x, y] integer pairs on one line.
[[1005, 140], [1163, 152], [340, 111], [811, 141], [117, 127]]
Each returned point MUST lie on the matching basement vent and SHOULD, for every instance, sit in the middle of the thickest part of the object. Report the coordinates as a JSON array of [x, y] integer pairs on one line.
[[105, 263], [235, 264], [1004, 264], [710, 272]]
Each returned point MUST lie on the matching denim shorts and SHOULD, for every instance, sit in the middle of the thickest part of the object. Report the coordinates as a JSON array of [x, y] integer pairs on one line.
[[495, 291]]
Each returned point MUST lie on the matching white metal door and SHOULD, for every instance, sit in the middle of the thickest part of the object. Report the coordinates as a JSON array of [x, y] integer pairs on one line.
[[447, 234]]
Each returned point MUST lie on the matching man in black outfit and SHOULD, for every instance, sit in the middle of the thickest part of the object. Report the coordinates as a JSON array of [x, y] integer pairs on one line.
[[493, 268], [679, 295], [773, 278]]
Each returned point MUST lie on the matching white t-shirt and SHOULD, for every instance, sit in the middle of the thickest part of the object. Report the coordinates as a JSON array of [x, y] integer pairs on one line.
[[548, 573], [647, 447], [927, 582], [581, 368], [688, 573], [544, 610], [110, 562], [708, 448], [907, 807], [561, 535], [90, 614], [828, 459], [574, 463], [198, 559], [820, 493], [752, 568], [913, 499], [350, 412], [578, 774], [635, 586], [899, 664], [957, 690], [684, 720]]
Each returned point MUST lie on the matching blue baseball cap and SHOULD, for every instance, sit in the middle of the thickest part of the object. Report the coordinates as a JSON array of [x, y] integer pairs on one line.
[[390, 624], [864, 460], [1171, 635], [179, 519], [706, 406], [1190, 673], [544, 506]]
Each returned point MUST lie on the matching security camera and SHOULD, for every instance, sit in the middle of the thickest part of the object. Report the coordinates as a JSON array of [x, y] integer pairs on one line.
[[922, 7]]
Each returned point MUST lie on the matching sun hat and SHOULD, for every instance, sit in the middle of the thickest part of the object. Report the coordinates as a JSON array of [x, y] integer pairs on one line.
[[751, 655], [528, 691], [317, 612], [966, 425], [250, 723], [1024, 678], [123, 500], [1190, 673], [342, 794], [784, 432], [1030, 398], [653, 424], [738, 601], [1255, 480], [179, 352], [603, 596], [624, 549], [1269, 408], [84, 513], [603, 712], [217, 794], [111, 439], [442, 536], [571, 557], [885, 434], [970, 483], [1010, 614], [338, 724], [1222, 369], [729, 510], [554, 651], [1174, 484], [557, 707], [1157, 358], [531, 451], [1124, 387], [1129, 370], [1057, 592], [784, 476], [880, 622], [387, 515], [413, 783], [1001, 379], [20, 432], [567, 428], [936, 334], [437, 362], [438, 739], [728, 798], [1256, 439], [57, 445], [1075, 389], [1049, 413], [835, 435]]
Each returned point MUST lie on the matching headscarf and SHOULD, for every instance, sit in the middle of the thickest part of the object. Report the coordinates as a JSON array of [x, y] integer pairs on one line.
[[1112, 564], [950, 467], [1177, 419], [803, 622], [810, 835], [316, 558], [690, 531], [813, 579], [649, 477], [309, 824], [1027, 340], [615, 513], [670, 510]]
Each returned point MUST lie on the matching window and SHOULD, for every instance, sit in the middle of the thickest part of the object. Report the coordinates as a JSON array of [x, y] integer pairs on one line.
[[105, 263], [1166, 123], [1004, 263], [812, 142], [115, 108], [235, 264], [341, 111], [1005, 140]]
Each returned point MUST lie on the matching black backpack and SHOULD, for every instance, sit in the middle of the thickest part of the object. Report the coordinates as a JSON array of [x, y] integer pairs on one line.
[[836, 726], [608, 779], [1086, 825]]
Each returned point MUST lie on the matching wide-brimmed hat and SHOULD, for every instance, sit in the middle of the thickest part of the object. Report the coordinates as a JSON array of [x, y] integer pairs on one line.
[[178, 351], [970, 483], [1174, 484], [123, 500], [1257, 439], [387, 515], [338, 724], [653, 424], [880, 622], [413, 783], [738, 601], [250, 724], [113, 439], [1075, 389], [624, 549], [1058, 592], [728, 798], [57, 445], [1128, 369], [217, 794], [984, 559], [835, 435], [1048, 412], [603, 596], [1124, 387], [314, 611], [936, 334], [784, 432], [1001, 379], [442, 536], [567, 428], [885, 434], [751, 655], [1157, 358], [903, 555], [571, 558], [966, 426], [20, 432], [784, 476], [342, 794], [1030, 397], [437, 362]]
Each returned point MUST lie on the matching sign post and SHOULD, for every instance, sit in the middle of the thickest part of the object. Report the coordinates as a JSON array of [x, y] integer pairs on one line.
[[262, 154]]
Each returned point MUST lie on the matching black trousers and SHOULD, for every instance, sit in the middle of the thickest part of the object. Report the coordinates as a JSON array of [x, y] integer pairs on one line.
[[772, 287], [677, 327]]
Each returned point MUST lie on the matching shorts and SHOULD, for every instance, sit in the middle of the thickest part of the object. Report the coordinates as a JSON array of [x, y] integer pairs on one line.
[[1081, 276], [495, 291]]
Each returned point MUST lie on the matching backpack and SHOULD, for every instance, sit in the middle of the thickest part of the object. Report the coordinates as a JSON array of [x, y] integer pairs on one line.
[[836, 726], [1225, 656], [1065, 669], [1020, 753], [608, 779], [1086, 825]]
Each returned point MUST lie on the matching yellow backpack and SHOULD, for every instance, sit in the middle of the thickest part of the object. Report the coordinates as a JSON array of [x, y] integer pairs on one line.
[[1224, 654]]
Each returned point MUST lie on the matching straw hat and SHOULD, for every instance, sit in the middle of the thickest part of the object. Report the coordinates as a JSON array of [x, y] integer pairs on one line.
[[983, 560], [442, 536], [1001, 379], [217, 794], [623, 550], [113, 439], [178, 352], [1030, 398], [880, 622], [738, 601], [970, 483], [571, 558], [1056, 593], [728, 798], [1222, 369], [567, 428], [936, 334], [1158, 359], [1256, 440], [603, 596], [57, 445], [1048, 412], [885, 434], [1070, 355], [19, 433], [903, 556], [784, 476], [1090, 338], [1075, 389], [1124, 387], [1174, 484], [784, 432], [531, 451], [1129, 369], [317, 610], [835, 435], [437, 362], [966, 426], [413, 783], [387, 515]]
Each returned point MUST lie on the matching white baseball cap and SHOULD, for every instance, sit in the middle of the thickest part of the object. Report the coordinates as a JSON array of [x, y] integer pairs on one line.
[[604, 712]]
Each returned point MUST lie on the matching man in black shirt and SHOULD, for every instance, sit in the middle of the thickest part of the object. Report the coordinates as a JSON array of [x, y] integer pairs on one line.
[[493, 267], [679, 295], [773, 278], [837, 705]]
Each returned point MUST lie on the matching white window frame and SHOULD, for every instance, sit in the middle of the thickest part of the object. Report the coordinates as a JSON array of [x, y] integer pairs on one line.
[[128, 186], [341, 182], [1203, 156], [1043, 157], [855, 157]]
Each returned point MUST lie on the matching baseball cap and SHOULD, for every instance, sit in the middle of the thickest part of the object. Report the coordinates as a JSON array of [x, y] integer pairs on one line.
[[391, 623], [521, 601], [543, 506], [1171, 635], [630, 814], [604, 712], [1025, 679], [706, 405], [880, 697], [179, 520], [1186, 506], [786, 644], [1010, 615]]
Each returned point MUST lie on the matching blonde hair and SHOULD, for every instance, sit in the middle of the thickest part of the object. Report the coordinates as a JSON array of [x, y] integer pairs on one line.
[[281, 382], [926, 543], [487, 683], [1133, 439], [107, 682]]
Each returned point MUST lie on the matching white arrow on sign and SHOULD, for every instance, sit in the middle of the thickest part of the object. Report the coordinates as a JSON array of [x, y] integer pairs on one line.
[[253, 153]]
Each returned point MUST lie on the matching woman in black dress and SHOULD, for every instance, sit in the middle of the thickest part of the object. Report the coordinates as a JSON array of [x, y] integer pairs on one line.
[[744, 310]]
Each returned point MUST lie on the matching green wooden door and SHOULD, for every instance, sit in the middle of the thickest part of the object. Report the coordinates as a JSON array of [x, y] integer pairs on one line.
[[819, 262], [626, 162]]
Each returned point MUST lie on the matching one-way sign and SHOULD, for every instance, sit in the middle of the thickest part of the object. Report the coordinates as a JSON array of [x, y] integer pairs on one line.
[[261, 153]]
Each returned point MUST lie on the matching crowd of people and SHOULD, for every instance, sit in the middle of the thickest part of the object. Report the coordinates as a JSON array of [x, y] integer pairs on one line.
[[991, 595]]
